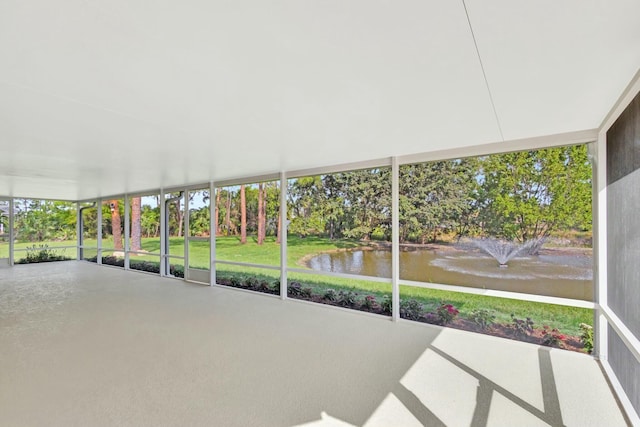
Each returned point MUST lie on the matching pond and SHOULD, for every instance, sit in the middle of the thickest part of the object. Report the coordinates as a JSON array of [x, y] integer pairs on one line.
[[562, 273]]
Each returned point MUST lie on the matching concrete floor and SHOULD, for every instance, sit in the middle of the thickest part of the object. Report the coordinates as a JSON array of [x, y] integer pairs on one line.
[[87, 345]]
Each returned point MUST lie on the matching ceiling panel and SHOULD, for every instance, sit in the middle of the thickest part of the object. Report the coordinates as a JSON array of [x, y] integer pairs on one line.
[[556, 66], [121, 96]]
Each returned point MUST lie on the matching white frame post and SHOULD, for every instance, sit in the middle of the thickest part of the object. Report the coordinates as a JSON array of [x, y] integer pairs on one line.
[[185, 234], [283, 235], [127, 231], [600, 324], [99, 230], [213, 232], [395, 239], [163, 225], [11, 231], [79, 235]]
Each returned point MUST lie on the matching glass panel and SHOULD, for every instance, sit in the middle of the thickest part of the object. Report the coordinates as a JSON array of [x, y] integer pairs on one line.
[[4, 229], [259, 243], [113, 226], [341, 222], [517, 222], [176, 224], [144, 226], [199, 229], [43, 228]]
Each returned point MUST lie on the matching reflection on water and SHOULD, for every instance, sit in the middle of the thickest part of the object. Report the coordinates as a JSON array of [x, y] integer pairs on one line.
[[563, 274]]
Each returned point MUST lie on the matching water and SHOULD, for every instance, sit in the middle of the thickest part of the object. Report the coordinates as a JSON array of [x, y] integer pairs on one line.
[[566, 274]]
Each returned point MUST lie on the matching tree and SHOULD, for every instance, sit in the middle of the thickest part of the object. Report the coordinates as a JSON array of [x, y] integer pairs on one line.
[[136, 228], [261, 214], [116, 225], [527, 195], [243, 216], [216, 220]]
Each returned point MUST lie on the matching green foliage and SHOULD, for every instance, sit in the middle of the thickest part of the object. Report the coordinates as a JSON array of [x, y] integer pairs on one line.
[[44, 220], [527, 195], [446, 313], [552, 337], [347, 298], [43, 253], [483, 318], [521, 328], [586, 337], [330, 295], [411, 309], [369, 302], [386, 305]]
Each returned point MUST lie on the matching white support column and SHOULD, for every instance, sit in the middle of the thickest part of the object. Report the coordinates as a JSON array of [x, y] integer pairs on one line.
[[78, 232], [395, 239], [99, 230], [213, 228], [163, 225], [284, 222], [185, 234], [127, 231], [600, 244], [11, 231]]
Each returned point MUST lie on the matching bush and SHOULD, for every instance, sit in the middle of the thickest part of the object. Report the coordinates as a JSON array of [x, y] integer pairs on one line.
[[294, 289], [386, 304], [410, 309], [483, 318], [369, 302], [446, 313], [587, 337], [42, 253], [552, 337], [330, 295], [347, 298], [521, 328]]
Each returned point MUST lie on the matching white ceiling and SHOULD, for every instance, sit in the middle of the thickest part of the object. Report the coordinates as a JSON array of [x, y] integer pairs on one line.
[[102, 98]]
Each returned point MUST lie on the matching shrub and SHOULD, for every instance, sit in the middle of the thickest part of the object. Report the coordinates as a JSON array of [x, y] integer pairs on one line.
[[587, 337], [483, 318], [330, 295], [275, 287], [347, 298], [306, 292], [410, 309], [386, 305], [432, 318], [42, 253], [294, 289], [369, 302], [521, 328], [446, 313], [552, 337]]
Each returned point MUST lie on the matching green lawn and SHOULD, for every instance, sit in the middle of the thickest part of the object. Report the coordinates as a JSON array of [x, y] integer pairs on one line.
[[567, 319]]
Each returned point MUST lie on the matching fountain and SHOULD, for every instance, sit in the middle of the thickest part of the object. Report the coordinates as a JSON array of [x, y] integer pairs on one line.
[[504, 251]]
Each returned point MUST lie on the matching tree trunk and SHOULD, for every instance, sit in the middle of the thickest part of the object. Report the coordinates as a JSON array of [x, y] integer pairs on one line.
[[261, 219], [116, 225], [180, 216], [279, 230], [243, 216], [216, 220], [135, 224], [228, 219]]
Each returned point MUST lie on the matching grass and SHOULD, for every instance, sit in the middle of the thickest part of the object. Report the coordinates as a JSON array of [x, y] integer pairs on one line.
[[566, 319]]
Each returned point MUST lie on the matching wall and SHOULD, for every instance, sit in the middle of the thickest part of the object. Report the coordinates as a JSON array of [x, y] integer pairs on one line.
[[623, 243]]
